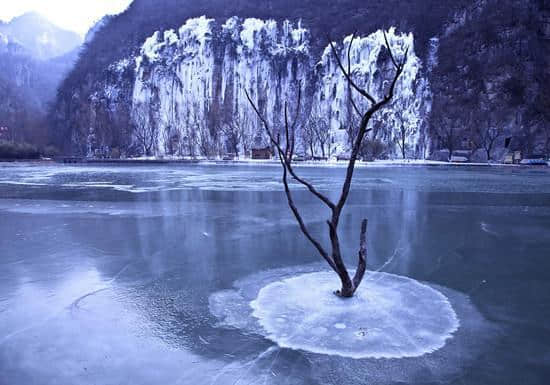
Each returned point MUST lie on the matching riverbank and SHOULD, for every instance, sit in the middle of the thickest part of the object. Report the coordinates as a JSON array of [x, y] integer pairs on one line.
[[267, 162], [274, 162]]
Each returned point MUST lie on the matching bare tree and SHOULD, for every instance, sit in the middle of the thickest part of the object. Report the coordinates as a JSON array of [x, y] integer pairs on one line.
[[530, 134], [540, 110], [206, 143], [547, 141], [145, 128], [404, 130], [447, 135], [308, 138], [321, 130], [199, 133], [233, 136], [286, 152], [402, 140], [236, 135], [487, 136], [189, 141]]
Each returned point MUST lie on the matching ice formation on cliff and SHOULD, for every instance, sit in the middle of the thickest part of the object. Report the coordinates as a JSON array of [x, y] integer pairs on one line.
[[190, 83]]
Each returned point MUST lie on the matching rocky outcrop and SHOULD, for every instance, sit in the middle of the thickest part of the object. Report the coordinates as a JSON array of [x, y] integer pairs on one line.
[[189, 92]]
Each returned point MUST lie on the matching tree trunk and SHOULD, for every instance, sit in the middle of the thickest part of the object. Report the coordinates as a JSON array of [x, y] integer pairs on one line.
[[236, 149], [349, 286], [403, 142]]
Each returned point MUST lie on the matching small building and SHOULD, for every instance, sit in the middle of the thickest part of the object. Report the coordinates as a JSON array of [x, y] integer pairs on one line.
[[261, 153], [460, 156], [459, 159], [534, 160], [509, 158], [343, 156]]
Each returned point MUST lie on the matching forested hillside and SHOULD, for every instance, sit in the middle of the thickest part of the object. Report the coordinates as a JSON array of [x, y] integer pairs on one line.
[[35, 56]]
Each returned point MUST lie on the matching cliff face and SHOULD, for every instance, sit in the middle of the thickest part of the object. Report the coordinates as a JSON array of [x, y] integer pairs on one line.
[[189, 94], [474, 72]]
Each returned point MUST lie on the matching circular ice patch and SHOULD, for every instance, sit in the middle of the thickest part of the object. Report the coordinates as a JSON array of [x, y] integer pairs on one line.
[[389, 317]]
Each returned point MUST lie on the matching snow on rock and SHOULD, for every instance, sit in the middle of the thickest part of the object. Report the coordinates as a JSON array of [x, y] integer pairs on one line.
[[389, 317], [190, 85], [372, 69]]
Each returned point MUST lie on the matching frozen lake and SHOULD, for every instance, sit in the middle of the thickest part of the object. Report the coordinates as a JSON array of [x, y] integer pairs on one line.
[[114, 275]]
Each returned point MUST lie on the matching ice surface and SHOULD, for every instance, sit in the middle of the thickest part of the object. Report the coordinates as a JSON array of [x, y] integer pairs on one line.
[[439, 307], [148, 327], [389, 317]]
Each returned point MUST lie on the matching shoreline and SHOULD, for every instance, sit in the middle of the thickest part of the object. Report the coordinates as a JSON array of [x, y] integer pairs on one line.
[[267, 162]]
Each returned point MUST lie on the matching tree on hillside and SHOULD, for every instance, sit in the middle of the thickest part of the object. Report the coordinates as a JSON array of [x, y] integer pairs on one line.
[[206, 143], [286, 151], [404, 131], [145, 130], [487, 132], [308, 138], [317, 133], [541, 113], [201, 130], [547, 141], [236, 134], [447, 135], [488, 137]]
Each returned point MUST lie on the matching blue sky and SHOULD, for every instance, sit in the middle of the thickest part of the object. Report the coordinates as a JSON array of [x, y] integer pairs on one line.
[[74, 15]]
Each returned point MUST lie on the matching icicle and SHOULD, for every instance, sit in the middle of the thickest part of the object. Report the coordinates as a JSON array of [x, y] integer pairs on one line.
[[190, 85]]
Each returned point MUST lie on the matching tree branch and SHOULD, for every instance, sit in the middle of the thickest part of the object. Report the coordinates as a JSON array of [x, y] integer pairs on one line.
[[287, 168], [348, 75], [389, 49], [298, 217], [337, 257], [360, 136], [295, 122], [288, 162], [355, 108], [362, 264]]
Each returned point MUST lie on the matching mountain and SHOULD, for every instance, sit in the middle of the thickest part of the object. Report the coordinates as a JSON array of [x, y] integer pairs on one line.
[[42, 39], [162, 71], [34, 57], [96, 27]]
